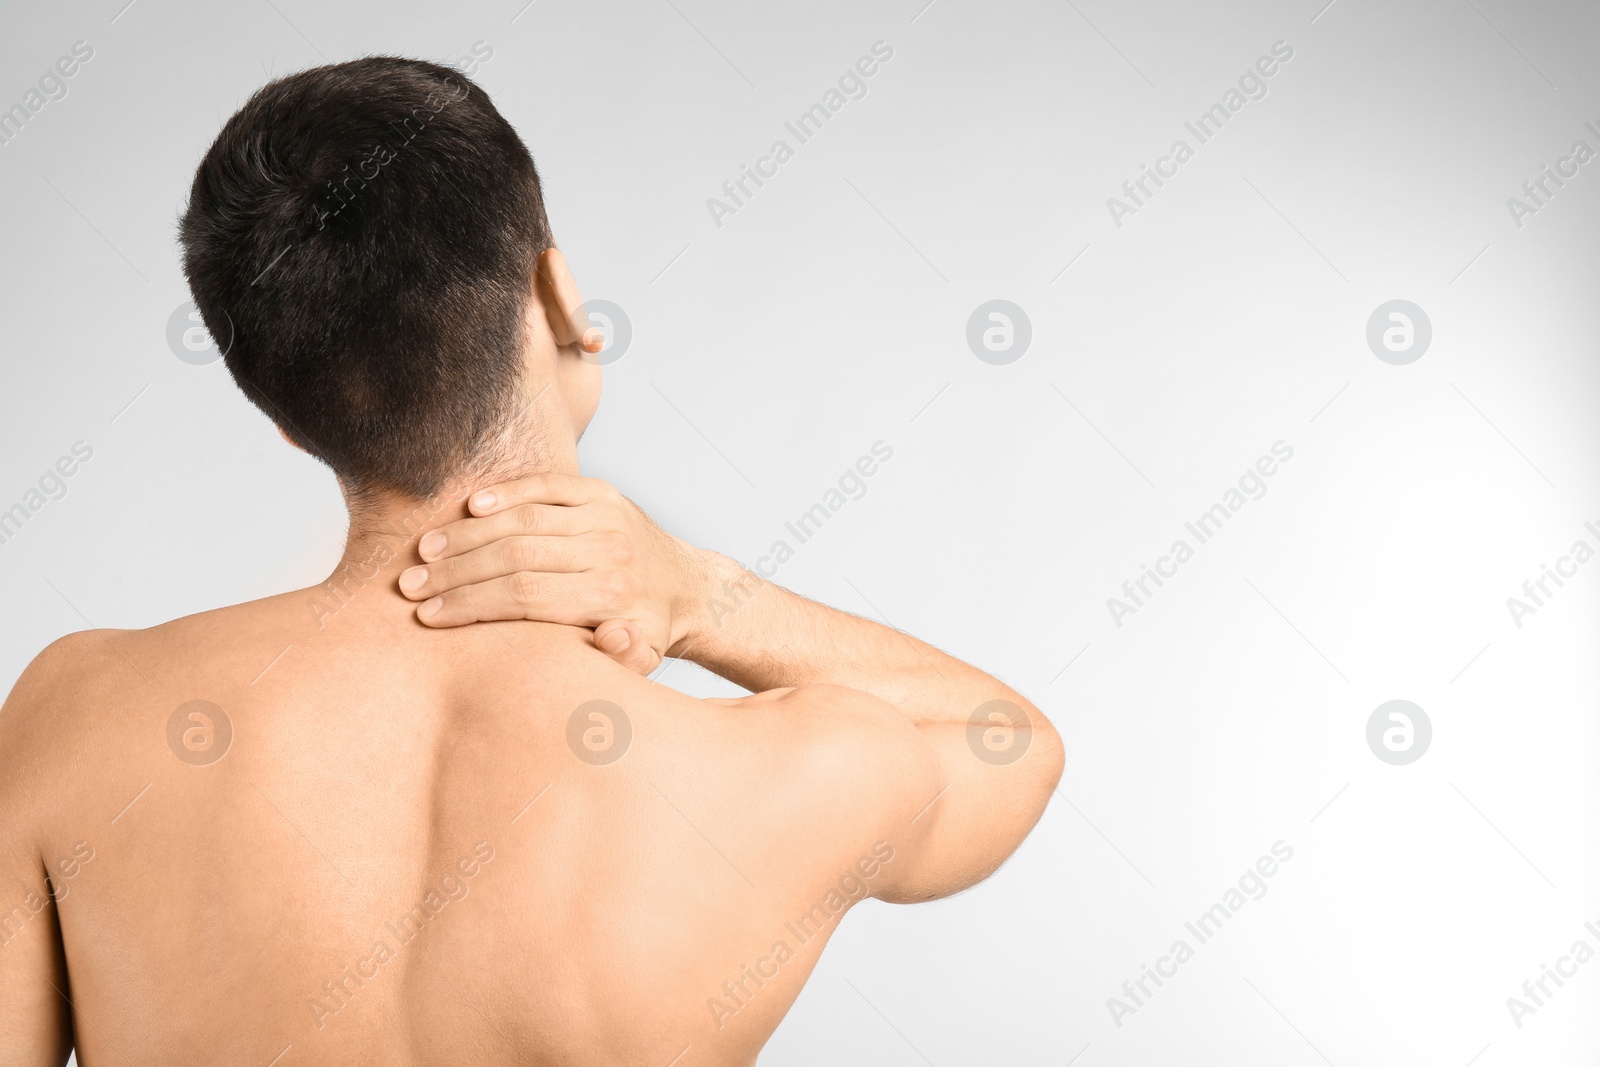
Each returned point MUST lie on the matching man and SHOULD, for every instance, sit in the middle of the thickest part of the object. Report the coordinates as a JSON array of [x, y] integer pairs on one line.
[[312, 829]]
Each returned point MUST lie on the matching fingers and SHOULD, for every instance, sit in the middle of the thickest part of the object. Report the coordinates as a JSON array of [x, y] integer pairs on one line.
[[545, 504], [625, 643], [524, 595], [566, 490], [523, 520], [506, 556]]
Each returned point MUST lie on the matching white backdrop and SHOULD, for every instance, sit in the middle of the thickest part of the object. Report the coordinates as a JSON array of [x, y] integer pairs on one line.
[[1175, 340]]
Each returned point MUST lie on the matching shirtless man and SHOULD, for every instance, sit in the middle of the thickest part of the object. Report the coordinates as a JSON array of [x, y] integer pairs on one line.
[[313, 829]]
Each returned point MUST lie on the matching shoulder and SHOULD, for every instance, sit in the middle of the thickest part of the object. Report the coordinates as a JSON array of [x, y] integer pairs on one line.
[[49, 712], [81, 687], [57, 683], [65, 668], [78, 699], [89, 667]]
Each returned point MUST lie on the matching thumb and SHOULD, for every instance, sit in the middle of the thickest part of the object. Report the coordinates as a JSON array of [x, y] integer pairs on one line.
[[624, 643]]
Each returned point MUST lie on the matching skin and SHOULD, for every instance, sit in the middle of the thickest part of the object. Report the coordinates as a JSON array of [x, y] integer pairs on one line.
[[406, 812]]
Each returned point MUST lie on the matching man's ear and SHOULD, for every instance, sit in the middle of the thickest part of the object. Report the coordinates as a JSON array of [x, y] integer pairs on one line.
[[563, 307], [286, 437]]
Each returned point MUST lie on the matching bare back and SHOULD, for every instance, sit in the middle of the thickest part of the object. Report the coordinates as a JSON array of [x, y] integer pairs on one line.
[[370, 842]]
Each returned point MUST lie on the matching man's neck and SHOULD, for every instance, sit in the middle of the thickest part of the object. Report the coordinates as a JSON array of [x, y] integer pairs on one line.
[[381, 543], [384, 535], [385, 527]]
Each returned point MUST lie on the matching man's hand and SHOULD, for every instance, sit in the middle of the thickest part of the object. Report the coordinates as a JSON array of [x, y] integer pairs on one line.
[[556, 548]]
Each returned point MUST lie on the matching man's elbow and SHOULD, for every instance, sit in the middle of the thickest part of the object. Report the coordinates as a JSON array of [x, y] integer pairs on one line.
[[1035, 777], [1052, 755]]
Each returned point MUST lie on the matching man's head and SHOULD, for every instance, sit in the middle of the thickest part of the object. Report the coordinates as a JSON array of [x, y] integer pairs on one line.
[[367, 242]]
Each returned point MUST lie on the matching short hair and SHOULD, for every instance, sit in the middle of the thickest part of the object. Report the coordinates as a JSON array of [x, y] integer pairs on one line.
[[361, 240]]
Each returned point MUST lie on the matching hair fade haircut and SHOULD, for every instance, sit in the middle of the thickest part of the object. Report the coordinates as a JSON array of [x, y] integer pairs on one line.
[[361, 239]]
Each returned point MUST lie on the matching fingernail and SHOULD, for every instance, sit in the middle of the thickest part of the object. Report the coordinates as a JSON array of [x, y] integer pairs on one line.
[[430, 608], [414, 579], [483, 501], [618, 641], [431, 545]]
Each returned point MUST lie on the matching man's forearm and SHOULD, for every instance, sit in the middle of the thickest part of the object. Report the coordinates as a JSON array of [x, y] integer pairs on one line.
[[762, 636]]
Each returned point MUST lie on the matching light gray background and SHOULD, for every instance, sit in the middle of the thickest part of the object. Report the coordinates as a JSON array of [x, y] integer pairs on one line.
[[830, 312]]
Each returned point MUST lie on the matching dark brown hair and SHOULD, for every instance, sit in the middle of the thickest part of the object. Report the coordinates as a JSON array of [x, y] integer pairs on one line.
[[360, 240]]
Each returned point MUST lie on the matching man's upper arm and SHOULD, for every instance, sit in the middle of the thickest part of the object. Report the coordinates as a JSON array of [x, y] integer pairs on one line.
[[35, 1024], [951, 809], [35, 1028]]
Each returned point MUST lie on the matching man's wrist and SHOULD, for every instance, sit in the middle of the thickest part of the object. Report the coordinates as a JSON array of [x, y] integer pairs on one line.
[[695, 614]]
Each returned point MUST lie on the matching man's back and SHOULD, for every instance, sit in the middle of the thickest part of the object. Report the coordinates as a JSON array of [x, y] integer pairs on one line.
[[420, 845]]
